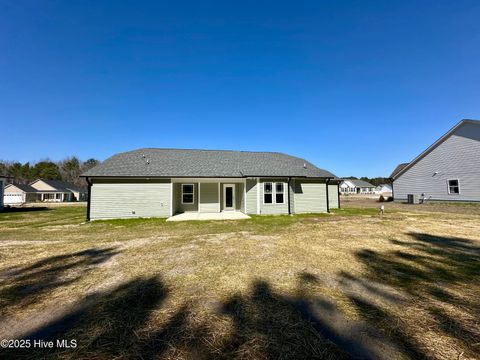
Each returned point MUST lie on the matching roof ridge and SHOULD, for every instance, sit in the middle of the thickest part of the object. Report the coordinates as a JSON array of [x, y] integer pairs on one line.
[[196, 149]]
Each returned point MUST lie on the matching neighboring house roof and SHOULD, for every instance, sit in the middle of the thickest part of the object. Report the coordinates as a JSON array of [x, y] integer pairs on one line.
[[23, 187], [399, 168], [384, 186], [154, 162], [395, 174], [361, 183], [59, 186]]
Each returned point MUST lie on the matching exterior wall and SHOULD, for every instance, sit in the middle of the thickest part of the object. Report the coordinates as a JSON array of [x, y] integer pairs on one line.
[[292, 196], [209, 199], [130, 199], [310, 196], [333, 196], [458, 157], [178, 206], [40, 185], [272, 209], [251, 187]]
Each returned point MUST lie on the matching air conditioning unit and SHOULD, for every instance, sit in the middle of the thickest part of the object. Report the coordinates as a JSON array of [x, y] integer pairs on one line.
[[413, 199]]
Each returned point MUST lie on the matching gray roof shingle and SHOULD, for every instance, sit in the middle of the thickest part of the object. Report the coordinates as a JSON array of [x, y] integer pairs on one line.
[[361, 183], [152, 162]]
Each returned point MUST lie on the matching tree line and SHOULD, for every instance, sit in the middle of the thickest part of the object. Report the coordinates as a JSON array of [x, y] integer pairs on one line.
[[68, 169]]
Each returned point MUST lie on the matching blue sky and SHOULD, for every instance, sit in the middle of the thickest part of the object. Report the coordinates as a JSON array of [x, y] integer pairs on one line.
[[353, 86]]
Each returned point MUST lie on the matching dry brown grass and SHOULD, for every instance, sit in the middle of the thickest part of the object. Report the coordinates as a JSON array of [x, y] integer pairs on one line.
[[404, 285]]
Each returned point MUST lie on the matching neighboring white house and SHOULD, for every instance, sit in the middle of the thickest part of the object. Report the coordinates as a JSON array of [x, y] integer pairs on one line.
[[43, 191], [58, 191], [349, 186], [449, 170], [19, 194], [384, 189]]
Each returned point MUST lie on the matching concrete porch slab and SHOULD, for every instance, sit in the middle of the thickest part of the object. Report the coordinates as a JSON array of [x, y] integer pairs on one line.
[[225, 215]]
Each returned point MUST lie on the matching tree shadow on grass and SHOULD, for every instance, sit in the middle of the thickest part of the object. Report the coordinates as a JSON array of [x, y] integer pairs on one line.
[[426, 269], [126, 322], [21, 286], [104, 324]]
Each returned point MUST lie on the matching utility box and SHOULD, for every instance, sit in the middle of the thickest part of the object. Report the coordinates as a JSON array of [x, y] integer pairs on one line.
[[413, 199]]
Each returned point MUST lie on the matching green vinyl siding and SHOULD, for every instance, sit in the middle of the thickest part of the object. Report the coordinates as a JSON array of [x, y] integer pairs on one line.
[[178, 206], [126, 199], [273, 209], [209, 199], [310, 196], [333, 196], [251, 199]]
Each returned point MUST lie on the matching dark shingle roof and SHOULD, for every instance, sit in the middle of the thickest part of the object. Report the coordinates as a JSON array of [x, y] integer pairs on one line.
[[204, 163], [62, 185], [399, 168], [361, 183], [24, 187]]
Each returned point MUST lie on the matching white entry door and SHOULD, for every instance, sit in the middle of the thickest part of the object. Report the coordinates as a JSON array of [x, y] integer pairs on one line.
[[229, 197]]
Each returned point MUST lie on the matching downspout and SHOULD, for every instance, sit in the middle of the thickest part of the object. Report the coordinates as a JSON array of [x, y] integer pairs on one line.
[[328, 200], [89, 197], [393, 193], [288, 197]]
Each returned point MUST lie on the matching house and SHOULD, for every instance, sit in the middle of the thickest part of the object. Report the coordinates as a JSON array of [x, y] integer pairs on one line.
[[448, 170], [164, 182], [2, 185], [356, 186], [347, 187], [44, 191], [18, 194], [384, 189], [58, 191]]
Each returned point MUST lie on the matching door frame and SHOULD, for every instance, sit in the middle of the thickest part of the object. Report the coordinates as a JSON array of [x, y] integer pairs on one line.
[[225, 197]]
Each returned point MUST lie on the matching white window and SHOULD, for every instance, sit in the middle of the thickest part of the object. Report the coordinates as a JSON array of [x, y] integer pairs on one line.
[[188, 194], [273, 193], [453, 186]]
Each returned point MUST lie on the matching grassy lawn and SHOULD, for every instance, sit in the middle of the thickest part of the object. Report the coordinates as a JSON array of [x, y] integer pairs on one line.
[[351, 283]]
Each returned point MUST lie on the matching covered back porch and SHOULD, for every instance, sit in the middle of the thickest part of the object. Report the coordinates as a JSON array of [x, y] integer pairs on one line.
[[208, 195]]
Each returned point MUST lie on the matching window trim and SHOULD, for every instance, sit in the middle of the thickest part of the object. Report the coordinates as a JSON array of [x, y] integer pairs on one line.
[[448, 186], [273, 193], [193, 194]]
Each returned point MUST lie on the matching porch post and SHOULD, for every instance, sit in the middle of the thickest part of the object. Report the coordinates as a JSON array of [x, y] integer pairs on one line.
[[258, 196], [171, 198], [219, 197]]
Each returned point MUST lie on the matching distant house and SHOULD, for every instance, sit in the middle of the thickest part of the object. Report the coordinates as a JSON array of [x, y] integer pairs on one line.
[[18, 194], [56, 190], [165, 182], [449, 170], [42, 191], [384, 189], [355, 186]]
